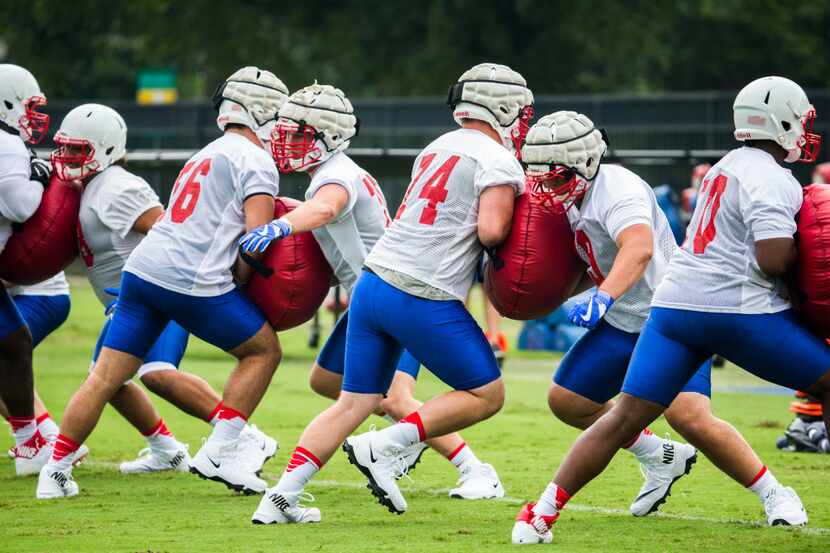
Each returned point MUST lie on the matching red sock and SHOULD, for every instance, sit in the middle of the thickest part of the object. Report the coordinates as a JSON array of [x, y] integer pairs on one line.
[[159, 429], [229, 413], [415, 418], [64, 446], [645, 431], [42, 418], [20, 422], [300, 456], [213, 417]]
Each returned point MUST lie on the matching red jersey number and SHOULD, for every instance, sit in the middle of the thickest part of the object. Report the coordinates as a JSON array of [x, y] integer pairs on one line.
[[704, 234], [583, 244], [188, 187], [434, 189], [374, 190]]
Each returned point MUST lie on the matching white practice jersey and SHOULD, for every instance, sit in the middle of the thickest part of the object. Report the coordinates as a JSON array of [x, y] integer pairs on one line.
[[193, 248], [348, 239], [112, 202], [744, 198], [616, 200], [19, 195], [55, 286], [434, 237]]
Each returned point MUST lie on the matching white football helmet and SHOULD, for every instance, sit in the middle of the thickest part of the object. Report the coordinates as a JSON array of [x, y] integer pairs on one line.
[[498, 96], [250, 97], [315, 123], [20, 96], [562, 154], [91, 138], [777, 109]]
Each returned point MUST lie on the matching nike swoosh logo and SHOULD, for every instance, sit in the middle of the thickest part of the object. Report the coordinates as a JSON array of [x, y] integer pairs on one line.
[[587, 316], [214, 463], [372, 455], [642, 495]]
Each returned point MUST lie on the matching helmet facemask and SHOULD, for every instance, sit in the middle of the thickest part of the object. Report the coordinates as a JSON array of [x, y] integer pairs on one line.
[[33, 124], [810, 142], [295, 146], [74, 159], [519, 130], [558, 188]]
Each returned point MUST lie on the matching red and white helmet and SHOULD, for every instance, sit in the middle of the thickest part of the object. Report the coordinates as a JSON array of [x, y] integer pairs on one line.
[[20, 97], [91, 138], [498, 96], [251, 97], [562, 154], [777, 109], [314, 124]]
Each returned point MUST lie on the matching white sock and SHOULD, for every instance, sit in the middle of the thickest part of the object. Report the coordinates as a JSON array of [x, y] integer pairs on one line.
[[763, 482], [645, 444], [48, 428], [551, 501], [408, 431], [226, 431], [23, 429], [161, 438], [463, 457], [302, 466]]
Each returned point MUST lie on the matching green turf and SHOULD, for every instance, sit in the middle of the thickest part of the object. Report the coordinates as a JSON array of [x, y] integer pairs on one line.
[[181, 513]]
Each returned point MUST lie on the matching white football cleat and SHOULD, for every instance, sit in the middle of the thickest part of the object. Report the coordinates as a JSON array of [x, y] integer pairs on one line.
[[478, 482], [663, 468], [31, 456], [256, 448], [53, 484], [382, 465], [412, 456], [224, 465], [278, 508], [150, 460], [530, 528], [783, 507]]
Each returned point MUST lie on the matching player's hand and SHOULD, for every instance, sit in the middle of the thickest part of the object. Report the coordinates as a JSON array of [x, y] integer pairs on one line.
[[110, 308], [258, 240], [588, 313], [41, 170]]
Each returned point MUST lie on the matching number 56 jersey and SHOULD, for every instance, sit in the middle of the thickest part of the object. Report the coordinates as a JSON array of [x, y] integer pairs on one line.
[[434, 237], [192, 249], [746, 197]]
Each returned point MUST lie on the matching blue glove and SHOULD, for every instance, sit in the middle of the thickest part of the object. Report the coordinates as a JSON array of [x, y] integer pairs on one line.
[[588, 313], [257, 240], [110, 308]]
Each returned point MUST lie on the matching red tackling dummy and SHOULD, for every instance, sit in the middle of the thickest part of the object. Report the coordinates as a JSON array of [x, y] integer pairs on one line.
[[813, 265], [541, 267], [45, 244], [301, 278]]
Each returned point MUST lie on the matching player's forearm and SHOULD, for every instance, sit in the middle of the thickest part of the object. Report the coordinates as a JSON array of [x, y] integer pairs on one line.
[[310, 215], [630, 264]]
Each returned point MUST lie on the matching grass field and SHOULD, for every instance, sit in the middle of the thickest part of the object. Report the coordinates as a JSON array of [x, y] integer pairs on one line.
[[181, 513]]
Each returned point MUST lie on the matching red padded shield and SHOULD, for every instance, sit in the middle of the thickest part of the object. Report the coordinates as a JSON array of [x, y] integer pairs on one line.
[[813, 266], [301, 278], [45, 244], [541, 267]]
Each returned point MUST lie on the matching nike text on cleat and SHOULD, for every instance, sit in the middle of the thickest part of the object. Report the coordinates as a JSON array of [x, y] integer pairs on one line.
[[531, 528], [478, 482], [224, 465], [150, 460], [52, 484], [661, 470], [31, 456], [783, 507], [278, 508], [255, 448], [382, 466]]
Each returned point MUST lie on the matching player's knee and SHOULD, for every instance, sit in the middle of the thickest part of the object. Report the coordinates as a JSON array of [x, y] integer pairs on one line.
[[158, 382], [322, 383], [687, 424], [493, 398]]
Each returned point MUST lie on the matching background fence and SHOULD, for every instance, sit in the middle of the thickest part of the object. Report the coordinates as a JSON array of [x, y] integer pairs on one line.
[[660, 136]]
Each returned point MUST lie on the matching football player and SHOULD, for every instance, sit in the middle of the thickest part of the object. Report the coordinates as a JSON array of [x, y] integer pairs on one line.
[[186, 270], [346, 210], [410, 294], [625, 240], [722, 293], [22, 180]]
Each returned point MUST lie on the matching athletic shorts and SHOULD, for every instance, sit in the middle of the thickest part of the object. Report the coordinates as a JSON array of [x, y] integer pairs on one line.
[[43, 314], [333, 355], [10, 318], [144, 310], [169, 348], [674, 342], [383, 321], [595, 366]]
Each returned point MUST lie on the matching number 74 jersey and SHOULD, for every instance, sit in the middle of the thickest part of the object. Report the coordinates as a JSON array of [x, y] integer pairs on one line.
[[434, 237], [746, 197], [192, 249]]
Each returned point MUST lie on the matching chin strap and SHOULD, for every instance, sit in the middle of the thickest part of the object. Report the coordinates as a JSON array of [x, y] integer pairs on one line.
[[257, 265], [9, 129]]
